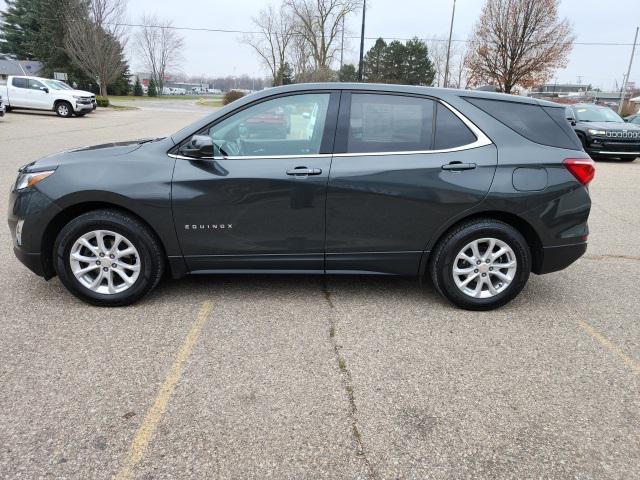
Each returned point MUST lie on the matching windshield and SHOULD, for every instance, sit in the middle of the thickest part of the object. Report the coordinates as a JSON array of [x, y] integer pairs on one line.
[[57, 85], [597, 114]]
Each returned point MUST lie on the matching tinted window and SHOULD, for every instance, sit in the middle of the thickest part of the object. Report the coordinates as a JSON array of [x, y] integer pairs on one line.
[[451, 132], [531, 121], [19, 82], [389, 123], [291, 125], [558, 116]]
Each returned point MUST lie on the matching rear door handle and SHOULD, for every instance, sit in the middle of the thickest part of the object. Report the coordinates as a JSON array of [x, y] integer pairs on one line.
[[304, 171], [456, 166]]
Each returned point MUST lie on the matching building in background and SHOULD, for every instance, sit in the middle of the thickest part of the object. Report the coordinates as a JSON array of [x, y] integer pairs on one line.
[[11, 66]]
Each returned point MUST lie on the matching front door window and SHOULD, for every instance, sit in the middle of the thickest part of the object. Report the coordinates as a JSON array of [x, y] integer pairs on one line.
[[284, 126]]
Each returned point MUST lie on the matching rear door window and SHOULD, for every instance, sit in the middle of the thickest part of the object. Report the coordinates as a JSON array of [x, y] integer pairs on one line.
[[543, 125], [389, 123]]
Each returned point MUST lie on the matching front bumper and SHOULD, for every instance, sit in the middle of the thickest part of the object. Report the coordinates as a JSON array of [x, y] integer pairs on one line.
[[603, 147], [31, 212], [84, 107]]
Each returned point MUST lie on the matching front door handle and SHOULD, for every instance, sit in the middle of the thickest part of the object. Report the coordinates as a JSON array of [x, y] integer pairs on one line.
[[304, 171], [457, 166]]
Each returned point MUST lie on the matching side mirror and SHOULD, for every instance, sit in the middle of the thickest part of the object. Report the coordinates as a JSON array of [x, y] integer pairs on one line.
[[44, 89], [199, 146], [571, 120]]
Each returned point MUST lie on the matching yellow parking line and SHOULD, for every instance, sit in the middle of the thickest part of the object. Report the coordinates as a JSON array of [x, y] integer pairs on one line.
[[612, 347], [153, 416]]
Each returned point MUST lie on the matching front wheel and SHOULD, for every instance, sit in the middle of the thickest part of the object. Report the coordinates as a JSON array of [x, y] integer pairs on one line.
[[481, 265], [108, 258], [64, 109]]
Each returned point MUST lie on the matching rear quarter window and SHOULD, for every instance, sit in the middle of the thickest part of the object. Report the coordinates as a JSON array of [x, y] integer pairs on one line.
[[451, 132], [543, 125]]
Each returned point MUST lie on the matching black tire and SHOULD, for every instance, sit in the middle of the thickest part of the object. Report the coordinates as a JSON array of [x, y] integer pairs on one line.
[[64, 109], [142, 238], [445, 252]]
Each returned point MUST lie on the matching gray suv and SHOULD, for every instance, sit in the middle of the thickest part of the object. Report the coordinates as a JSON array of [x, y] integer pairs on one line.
[[471, 190]]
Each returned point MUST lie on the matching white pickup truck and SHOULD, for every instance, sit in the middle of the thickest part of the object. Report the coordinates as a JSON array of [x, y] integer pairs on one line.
[[45, 94]]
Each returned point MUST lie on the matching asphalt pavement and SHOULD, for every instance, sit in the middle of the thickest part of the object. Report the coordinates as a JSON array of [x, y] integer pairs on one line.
[[272, 377]]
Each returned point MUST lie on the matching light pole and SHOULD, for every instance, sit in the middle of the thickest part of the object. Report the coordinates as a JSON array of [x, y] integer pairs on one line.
[[446, 68], [626, 79], [364, 9], [342, 45]]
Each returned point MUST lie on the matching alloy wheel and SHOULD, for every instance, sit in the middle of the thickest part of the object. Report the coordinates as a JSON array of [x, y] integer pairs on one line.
[[484, 268], [105, 262]]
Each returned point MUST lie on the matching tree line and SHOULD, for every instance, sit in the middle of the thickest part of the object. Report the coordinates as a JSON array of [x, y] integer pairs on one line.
[[514, 44]]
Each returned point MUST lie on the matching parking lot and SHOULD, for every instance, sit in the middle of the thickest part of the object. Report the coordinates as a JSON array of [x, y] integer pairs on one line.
[[306, 377]]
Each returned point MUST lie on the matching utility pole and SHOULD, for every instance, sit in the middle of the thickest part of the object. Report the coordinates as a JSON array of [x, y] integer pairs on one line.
[[364, 9], [626, 78], [446, 68], [342, 45]]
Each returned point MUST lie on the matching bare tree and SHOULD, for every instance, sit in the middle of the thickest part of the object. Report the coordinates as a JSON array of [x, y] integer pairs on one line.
[[301, 58], [518, 42], [272, 43], [438, 54], [319, 23], [160, 46], [95, 40]]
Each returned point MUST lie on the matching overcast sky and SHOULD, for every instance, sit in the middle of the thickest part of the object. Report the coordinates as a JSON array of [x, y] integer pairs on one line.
[[215, 54]]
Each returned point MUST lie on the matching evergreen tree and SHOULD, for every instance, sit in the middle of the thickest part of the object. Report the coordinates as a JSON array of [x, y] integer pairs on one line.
[[403, 63], [285, 74], [122, 85], [153, 89], [35, 30], [348, 73], [394, 66], [372, 68], [419, 69], [137, 88]]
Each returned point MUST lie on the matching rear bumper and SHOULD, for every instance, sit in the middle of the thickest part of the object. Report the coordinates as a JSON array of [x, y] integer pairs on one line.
[[559, 258]]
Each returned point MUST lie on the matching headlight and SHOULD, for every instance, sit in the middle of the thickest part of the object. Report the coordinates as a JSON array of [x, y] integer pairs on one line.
[[593, 131], [28, 180], [77, 97]]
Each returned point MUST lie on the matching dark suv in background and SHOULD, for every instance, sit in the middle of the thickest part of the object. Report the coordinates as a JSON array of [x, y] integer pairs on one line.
[[603, 133], [472, 190]]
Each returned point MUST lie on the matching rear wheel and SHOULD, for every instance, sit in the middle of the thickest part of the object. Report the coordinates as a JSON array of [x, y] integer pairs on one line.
[[64, 109], [481, 265], [108, 258]]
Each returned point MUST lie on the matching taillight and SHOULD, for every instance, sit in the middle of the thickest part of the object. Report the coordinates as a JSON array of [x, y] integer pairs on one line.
[[582, 168]]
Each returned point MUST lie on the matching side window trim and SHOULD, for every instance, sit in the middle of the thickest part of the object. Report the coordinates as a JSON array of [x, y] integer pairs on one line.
[[326, 143], [343, 128]]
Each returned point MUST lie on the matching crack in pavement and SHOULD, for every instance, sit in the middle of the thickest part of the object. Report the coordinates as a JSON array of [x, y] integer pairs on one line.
[[616, 257], [347, 384]]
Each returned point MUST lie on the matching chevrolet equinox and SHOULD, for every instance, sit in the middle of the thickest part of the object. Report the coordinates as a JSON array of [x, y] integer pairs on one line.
[[471, 190]]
